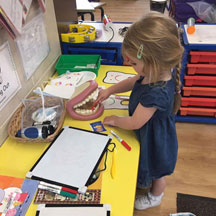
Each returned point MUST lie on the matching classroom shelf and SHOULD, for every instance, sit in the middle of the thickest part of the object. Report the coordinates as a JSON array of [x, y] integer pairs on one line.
[[198, 76]]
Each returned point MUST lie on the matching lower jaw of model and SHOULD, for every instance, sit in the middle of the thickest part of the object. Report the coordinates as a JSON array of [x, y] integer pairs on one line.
[[79, 106]]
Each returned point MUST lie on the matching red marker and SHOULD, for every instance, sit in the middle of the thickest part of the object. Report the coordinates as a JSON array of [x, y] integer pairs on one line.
[[94, 105], [121, 141], [69, 190], [58, 187]]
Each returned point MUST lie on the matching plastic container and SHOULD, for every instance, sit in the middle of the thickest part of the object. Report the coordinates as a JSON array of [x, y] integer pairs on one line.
[[197, 111], [74, 63], [200, 80], [200, 102], [201, 69], [203, 57], [199, 91]]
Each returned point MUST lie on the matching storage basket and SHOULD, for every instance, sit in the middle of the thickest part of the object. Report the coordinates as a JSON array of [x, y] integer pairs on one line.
[[15, 121], [74, 63]]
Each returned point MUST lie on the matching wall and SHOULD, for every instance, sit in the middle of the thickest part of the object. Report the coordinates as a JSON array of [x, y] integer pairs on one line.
[[43, 72], [65, 10]]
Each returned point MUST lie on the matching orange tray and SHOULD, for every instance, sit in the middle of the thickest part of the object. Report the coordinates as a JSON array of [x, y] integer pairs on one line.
[[200, 80], [199, 91], [201, 69], [202, 56], [197, 111], [203, 102]]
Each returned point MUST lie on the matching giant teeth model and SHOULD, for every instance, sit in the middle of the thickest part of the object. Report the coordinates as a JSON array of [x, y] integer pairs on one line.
[[79, 106]]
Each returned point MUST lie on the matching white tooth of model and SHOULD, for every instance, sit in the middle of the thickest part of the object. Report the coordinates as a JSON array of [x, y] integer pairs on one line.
[[78, 110], [82, 111]]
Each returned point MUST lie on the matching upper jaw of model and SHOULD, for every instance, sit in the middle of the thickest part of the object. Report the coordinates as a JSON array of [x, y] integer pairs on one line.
[[79, 106]]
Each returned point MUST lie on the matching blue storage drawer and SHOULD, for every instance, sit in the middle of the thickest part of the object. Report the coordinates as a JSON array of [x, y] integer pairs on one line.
[[108, 56], [110, 52]]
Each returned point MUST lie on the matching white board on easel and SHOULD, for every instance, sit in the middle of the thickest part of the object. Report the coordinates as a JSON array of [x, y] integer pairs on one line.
[[71, 159]]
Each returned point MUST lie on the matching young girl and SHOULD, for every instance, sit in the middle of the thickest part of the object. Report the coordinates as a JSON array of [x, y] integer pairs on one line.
[[152, 47]]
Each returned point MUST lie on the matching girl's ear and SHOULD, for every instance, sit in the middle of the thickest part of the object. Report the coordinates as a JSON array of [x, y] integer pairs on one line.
[[127, 58]]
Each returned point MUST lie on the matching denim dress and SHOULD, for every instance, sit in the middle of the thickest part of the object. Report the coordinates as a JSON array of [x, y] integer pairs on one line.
[[158, 139]]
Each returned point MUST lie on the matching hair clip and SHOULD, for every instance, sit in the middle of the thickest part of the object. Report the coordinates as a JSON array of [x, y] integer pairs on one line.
[[140, 52]]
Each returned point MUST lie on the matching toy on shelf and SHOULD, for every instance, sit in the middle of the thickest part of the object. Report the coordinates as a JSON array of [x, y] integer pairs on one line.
[[79, 33]]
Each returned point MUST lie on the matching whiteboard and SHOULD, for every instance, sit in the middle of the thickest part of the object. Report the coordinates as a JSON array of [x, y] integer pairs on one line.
[[75, 210], [71, 159]]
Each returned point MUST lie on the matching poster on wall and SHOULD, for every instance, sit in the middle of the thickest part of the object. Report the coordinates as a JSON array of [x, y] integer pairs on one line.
[[42, 4], [9, 80], [11, 15], [33, 45], [26, 7]]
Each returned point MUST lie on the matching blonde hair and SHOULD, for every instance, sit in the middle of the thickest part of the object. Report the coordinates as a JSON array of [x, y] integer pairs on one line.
[[157, 36]]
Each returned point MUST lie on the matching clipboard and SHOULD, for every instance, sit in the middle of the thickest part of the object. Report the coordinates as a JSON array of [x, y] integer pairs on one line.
[[71, 159], [76, 210]]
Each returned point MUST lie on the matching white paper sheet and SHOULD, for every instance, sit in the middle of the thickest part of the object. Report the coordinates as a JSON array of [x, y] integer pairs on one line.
[[64, 85], [13, 11], [9, 80], [62, 91], [33, 45]]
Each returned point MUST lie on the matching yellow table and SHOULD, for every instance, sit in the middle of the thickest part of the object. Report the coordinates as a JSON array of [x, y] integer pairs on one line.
[[16, 159]]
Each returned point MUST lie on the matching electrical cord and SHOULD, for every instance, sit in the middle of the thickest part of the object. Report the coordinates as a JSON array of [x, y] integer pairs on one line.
[[107, 150], [113, 33]]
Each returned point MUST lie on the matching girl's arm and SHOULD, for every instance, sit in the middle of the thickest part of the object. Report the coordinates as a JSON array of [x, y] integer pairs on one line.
[[123, 86], [137, 120]]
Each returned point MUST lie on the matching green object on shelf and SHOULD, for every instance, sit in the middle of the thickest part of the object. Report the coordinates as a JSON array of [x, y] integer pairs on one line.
[[75, 63]]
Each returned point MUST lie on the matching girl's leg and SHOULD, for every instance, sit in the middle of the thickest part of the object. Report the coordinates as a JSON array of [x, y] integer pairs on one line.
[[153, 198], [158, 186]]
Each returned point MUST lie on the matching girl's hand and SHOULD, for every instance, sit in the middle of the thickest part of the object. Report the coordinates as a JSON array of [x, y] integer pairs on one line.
[[110, 120], [103, 95]]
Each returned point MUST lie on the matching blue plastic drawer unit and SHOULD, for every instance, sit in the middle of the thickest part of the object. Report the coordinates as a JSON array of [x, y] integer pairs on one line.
[[110, 55], [199, 87]]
